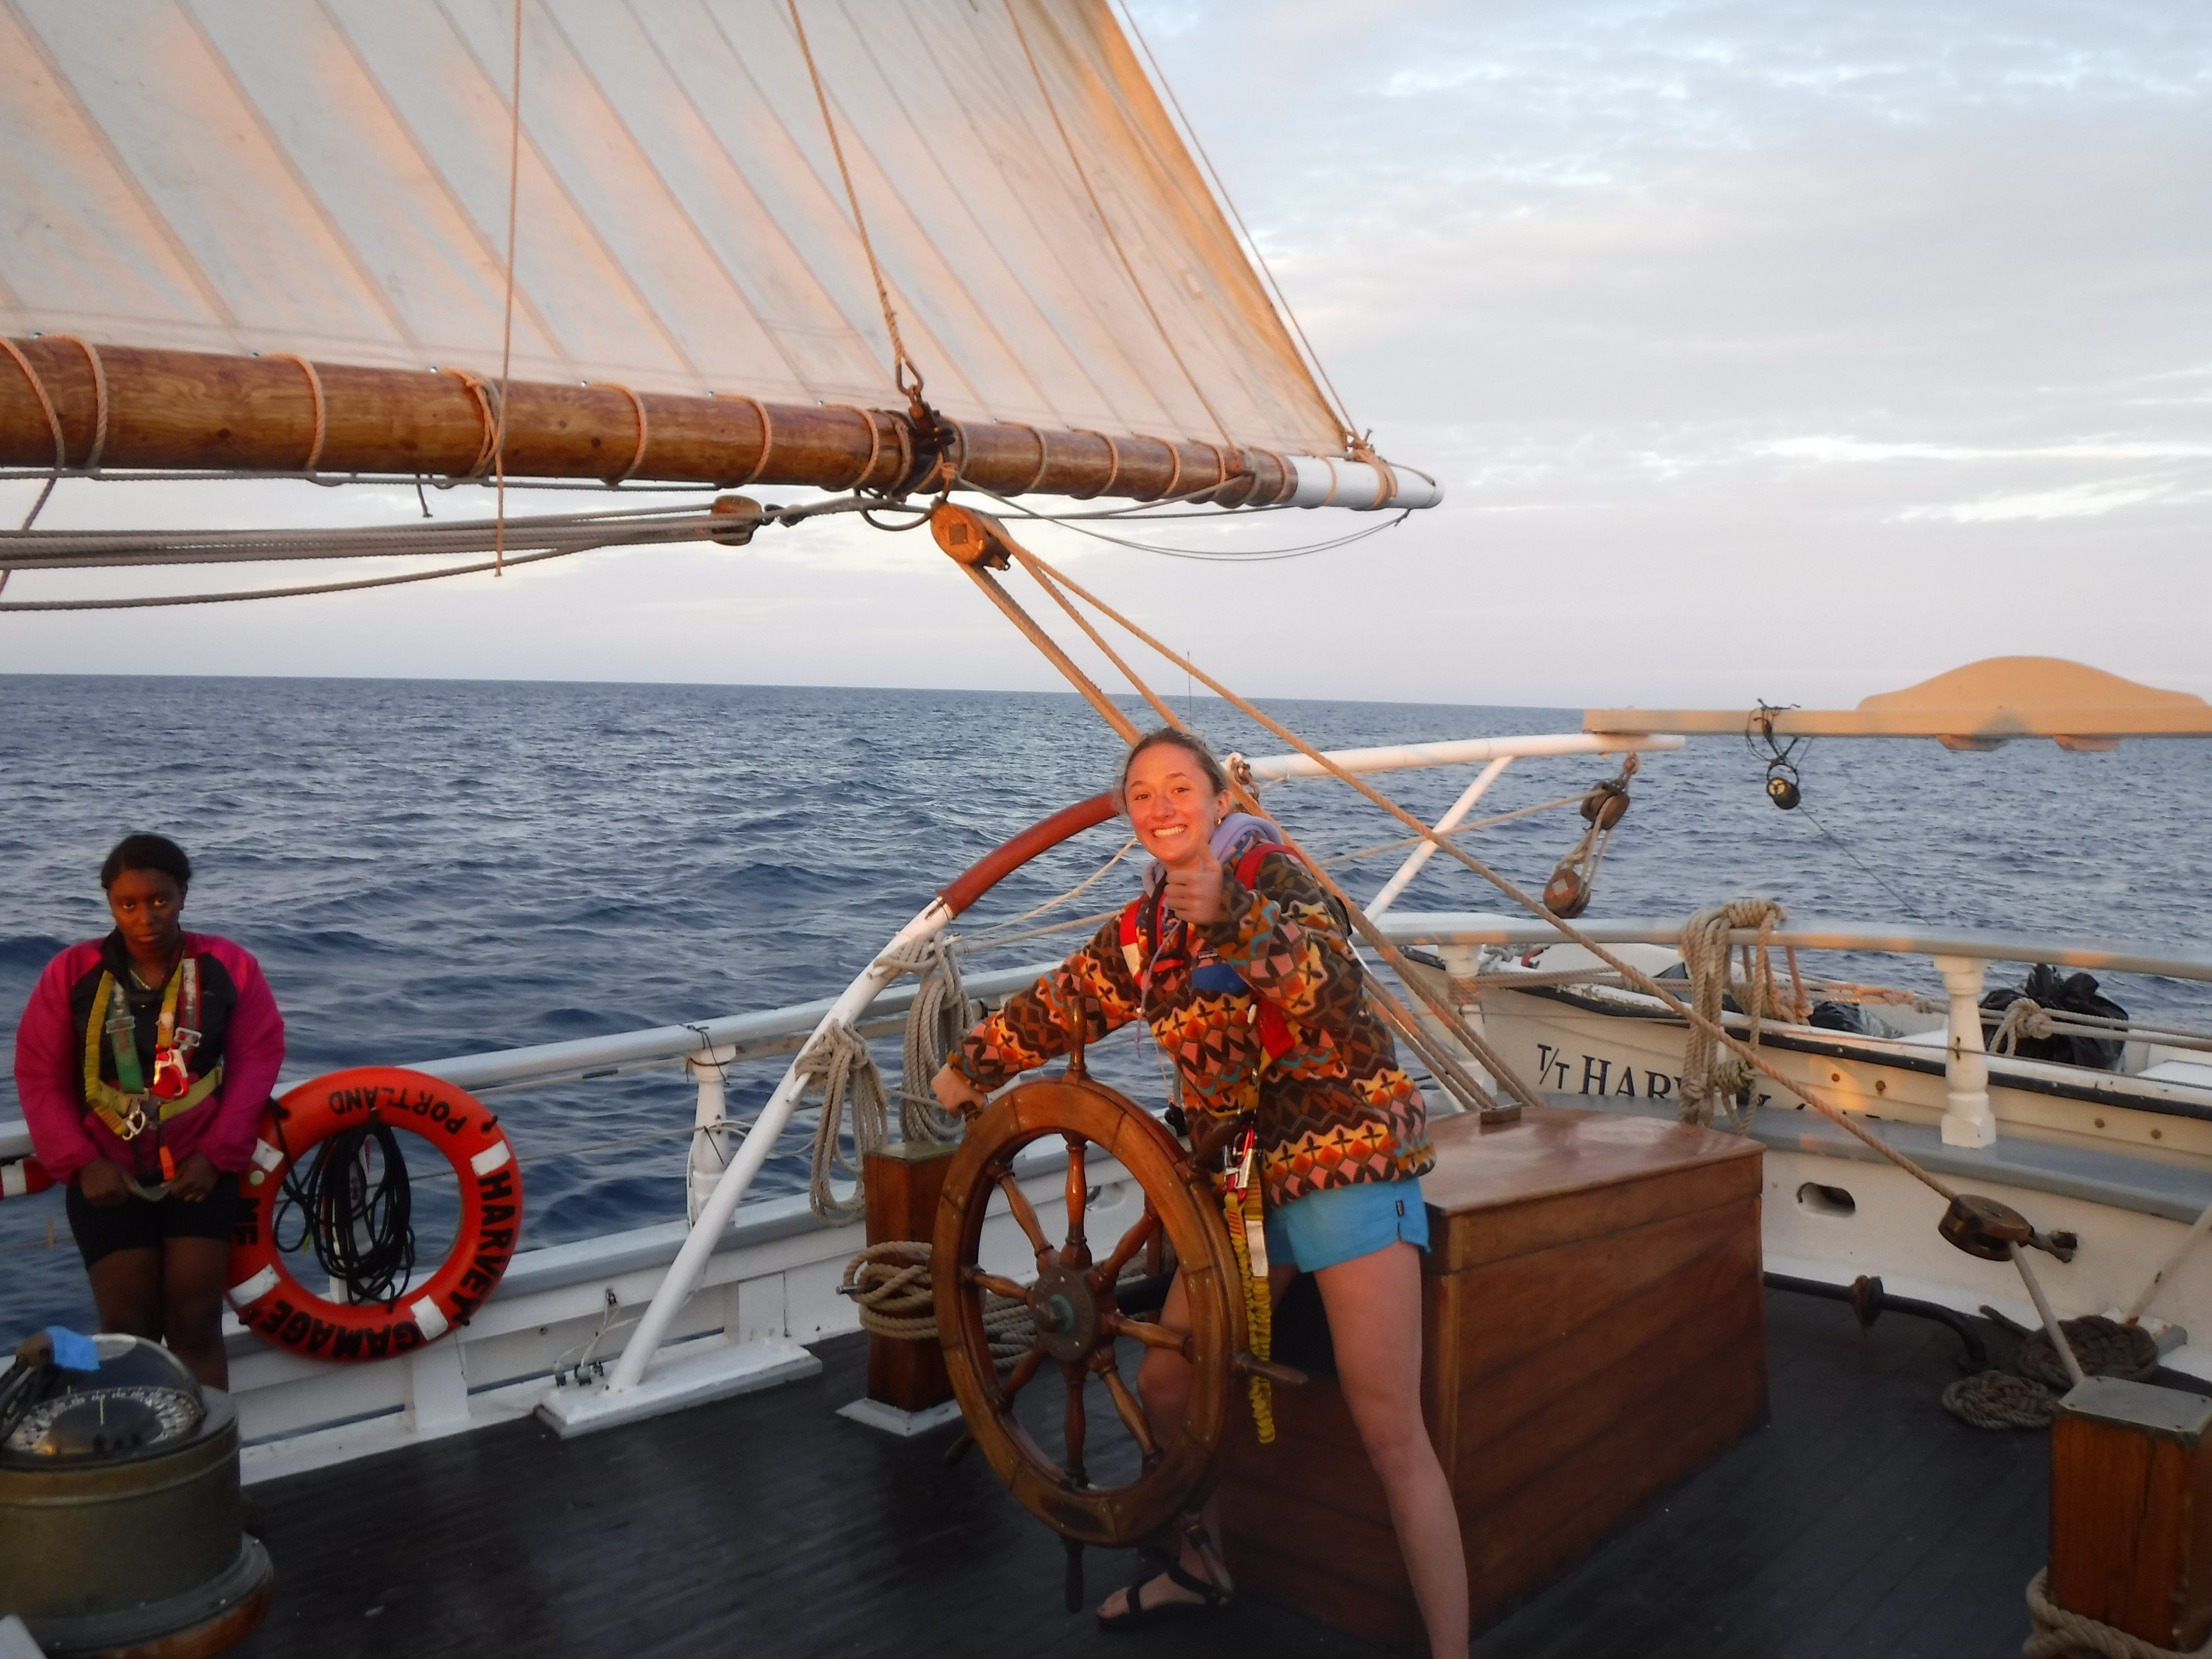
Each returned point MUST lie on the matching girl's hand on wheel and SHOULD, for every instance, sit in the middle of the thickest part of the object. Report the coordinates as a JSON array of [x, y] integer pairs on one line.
[[954, 1091]]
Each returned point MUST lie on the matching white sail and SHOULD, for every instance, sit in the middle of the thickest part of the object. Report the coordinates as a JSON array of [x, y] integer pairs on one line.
[[330, 178]]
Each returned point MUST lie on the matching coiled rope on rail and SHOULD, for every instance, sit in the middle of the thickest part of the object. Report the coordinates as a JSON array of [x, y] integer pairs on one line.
[[2060, 1634], [1714, 1075], [940, 1016], [890, 1285], [838, 1061]]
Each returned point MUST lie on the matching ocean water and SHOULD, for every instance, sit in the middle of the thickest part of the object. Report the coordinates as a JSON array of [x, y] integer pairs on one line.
[[426, 869]]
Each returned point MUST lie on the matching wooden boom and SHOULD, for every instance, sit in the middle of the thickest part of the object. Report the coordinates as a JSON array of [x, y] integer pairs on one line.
[[196, 411]]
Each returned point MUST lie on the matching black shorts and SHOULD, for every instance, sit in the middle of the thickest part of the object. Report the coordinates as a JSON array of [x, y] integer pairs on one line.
[[138, 1224]]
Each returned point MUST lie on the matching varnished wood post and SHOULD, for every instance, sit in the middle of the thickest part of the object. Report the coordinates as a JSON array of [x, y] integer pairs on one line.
[[904, 1181], [2131, 1510]]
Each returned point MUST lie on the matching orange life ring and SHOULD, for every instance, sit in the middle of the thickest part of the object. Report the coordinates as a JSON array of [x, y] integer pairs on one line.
[[271, 1303]]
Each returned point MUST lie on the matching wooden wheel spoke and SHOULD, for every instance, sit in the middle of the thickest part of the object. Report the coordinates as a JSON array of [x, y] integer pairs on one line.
[[1077, 1253], [993, 1282], [1125, 1403], [1108, 1271], [1017, 1379], [1025, 1218], [1075, 1425], [1164, 1337]]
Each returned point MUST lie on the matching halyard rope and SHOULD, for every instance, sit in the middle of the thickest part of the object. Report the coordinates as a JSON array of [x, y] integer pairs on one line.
[[53, 425], [1642, 981], [904, 374]]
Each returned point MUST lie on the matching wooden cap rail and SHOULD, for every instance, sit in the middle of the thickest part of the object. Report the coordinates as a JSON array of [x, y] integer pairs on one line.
[[198, 411]]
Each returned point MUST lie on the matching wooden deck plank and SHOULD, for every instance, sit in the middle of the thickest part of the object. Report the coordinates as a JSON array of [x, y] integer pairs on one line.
[[1862, 1523]]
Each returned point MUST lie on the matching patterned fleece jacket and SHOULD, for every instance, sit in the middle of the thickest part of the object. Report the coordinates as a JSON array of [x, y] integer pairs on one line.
[[1333, 1110]]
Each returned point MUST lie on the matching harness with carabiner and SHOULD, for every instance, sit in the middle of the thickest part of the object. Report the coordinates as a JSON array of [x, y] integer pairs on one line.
[[1142, 942], [128, 1106]]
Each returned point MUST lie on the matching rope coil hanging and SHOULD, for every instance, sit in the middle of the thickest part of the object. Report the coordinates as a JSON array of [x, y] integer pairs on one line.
[[1714, 1072], [838, 1061], [940, 1016]]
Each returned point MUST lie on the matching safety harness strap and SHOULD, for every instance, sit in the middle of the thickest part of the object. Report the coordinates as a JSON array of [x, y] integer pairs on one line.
[[1140, 931], [123, 1109]]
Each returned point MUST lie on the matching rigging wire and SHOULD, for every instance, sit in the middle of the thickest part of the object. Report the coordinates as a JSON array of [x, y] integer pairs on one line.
[[1870, 873], [506, 324], [1218, 555], [1107, 224], [1342, 412], [904, 374]]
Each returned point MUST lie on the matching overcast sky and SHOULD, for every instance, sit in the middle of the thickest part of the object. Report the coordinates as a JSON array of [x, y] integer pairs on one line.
[[1785, 351]]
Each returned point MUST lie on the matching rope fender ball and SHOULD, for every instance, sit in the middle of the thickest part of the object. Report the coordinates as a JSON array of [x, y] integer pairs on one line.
[[272, 1304]]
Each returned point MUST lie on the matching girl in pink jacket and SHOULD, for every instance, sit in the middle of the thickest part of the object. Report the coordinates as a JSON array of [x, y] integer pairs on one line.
[[143, 1062]]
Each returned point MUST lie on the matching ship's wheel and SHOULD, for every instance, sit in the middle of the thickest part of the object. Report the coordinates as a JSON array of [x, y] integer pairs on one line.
[[1137, 1489]]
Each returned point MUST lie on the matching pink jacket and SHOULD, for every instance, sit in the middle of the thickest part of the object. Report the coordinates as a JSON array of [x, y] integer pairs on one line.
[[244, 1033]]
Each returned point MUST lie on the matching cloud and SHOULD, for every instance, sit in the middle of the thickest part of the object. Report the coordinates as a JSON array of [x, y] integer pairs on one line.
[[1749, 337], [2075, 501]]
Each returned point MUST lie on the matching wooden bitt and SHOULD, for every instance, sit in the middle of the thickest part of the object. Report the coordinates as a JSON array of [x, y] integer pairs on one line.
[[1594, 1333], [2131, 1510], [202, 412], [903, 1180]]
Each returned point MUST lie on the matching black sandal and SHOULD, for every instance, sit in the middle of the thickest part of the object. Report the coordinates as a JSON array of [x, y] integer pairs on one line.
[[1135, 1614]]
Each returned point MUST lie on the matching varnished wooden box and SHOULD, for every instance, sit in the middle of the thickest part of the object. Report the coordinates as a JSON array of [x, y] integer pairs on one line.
[[1595, 1331]]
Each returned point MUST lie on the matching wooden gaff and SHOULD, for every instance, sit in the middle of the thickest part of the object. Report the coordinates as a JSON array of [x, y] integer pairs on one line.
[[195, 411]]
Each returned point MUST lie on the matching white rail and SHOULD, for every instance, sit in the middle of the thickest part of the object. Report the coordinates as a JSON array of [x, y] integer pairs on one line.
[[1481, 927], [1465, 752]]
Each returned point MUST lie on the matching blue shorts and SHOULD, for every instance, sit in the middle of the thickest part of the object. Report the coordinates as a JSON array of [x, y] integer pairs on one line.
[[1342, 1224]]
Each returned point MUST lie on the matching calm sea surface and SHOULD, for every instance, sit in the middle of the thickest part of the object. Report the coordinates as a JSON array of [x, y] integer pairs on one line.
[[427, 869]]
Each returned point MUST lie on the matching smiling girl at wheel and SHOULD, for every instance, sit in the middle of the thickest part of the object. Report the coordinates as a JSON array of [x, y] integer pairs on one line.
[[1233, 955], [143, 1062]]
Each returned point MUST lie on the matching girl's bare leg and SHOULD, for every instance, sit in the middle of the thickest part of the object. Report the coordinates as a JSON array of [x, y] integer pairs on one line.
[[1374, 1304], [1164, 1381]]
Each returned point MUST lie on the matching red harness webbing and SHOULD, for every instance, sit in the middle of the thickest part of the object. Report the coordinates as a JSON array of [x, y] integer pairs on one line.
[[1138, 946]]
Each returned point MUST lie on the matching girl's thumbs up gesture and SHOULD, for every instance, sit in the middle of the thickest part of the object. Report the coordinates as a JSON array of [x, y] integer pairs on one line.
[[1194, 892]]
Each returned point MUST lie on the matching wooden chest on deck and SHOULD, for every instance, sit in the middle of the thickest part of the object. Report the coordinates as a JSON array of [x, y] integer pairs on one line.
[[1595, 1331]]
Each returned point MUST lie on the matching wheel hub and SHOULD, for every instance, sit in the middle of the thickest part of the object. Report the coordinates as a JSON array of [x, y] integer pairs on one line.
[[1066, 1313]]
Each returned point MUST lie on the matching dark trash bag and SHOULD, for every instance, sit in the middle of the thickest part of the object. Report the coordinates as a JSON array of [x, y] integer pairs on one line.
[[2072, 994]]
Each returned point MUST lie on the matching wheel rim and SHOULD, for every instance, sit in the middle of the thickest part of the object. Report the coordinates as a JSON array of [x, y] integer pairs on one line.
[[1072, 1298]]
